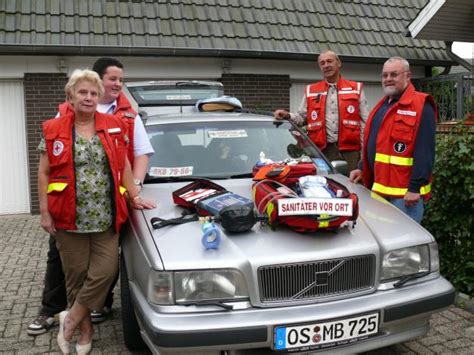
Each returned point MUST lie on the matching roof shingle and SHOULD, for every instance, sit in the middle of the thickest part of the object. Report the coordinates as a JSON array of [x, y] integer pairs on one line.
[[262, 28]]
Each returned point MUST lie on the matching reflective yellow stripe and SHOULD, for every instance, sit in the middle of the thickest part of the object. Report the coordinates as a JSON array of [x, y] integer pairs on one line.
[[395, 191], [122, 190], [56, 186], [270, 209], [391, 159], [398, 191], [425, 189], [323, 224]]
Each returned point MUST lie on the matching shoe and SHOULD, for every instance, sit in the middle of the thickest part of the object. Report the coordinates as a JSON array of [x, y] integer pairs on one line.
[[63, 344], [83, 349], [100, 316], [41, 324]]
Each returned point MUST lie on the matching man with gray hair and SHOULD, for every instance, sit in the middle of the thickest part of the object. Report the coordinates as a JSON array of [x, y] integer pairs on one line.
[[334, 110], [399, 142]]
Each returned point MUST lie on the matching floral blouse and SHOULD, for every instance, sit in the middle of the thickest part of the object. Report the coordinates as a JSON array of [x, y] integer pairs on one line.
[[93, 185]]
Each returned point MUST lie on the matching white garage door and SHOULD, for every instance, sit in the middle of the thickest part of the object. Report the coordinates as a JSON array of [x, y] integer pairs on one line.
[[14, 188]]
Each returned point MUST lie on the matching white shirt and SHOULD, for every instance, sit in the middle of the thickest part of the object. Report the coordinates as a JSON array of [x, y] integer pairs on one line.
[[141, 143]]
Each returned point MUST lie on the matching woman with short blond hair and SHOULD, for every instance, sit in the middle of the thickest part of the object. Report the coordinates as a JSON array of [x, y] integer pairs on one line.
[[83, 165]]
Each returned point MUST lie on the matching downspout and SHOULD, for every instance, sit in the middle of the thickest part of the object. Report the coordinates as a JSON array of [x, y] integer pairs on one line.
[[456, 58]]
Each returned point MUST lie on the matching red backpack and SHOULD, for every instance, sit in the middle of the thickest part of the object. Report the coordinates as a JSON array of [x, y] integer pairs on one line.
[[276, 195]]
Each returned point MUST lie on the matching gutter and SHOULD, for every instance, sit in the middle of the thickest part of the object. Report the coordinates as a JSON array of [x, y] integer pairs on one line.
[[458, 59], [64, 50]]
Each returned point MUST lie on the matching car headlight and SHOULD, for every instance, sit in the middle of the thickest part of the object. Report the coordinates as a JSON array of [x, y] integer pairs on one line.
[[209, 285], [408, 261], [160, 287]]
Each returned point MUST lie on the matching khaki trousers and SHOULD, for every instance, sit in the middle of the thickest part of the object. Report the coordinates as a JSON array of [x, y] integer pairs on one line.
[[332, 153], [90, 264]]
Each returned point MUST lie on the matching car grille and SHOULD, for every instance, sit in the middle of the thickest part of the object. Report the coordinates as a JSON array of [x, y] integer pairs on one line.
[[303, 281]]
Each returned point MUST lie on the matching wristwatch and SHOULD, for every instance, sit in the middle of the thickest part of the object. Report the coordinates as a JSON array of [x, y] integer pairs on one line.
[[137, 182]]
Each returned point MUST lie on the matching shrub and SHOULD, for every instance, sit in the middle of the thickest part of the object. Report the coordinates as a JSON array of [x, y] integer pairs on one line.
[[450, 213]]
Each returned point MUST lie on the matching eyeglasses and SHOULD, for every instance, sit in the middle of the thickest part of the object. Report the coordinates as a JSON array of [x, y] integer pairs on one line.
[[392, 75]]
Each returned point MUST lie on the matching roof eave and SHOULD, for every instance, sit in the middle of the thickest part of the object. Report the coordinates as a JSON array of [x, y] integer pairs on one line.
[[424, 16], [48, 50]]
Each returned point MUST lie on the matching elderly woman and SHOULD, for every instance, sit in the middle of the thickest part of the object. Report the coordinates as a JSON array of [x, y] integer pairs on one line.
[[83, 173]]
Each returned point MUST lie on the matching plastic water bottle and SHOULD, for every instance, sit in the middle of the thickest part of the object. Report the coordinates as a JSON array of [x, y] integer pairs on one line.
[[261, 160], [211, 237]]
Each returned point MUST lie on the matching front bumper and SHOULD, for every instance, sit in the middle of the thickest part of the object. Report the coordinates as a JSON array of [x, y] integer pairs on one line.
[[404, 314]]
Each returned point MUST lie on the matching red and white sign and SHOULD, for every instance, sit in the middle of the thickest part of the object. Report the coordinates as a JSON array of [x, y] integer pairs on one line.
[[58, 147], [315, 206], [165, 172]]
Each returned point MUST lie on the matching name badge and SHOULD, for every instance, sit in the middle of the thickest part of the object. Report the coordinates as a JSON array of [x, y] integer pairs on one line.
[[114, 130], [407, 113]]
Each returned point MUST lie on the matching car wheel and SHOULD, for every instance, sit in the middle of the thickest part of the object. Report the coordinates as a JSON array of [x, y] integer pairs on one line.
[[131, 330]]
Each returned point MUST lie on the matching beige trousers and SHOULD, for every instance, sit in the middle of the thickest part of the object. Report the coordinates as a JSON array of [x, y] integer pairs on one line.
[[332, 153], [90, 264]]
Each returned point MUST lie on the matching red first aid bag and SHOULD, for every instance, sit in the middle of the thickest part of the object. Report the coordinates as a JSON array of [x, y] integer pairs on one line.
[[277, 195]]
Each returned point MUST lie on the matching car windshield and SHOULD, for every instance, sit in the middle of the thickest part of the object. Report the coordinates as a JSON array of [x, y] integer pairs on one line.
[[176, 94], [225, 149]]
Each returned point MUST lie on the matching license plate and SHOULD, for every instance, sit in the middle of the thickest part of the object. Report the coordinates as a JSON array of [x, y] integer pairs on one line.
[[326, 334]]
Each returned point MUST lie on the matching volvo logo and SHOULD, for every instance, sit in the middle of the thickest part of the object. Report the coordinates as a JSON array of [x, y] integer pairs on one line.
[[321, 278]]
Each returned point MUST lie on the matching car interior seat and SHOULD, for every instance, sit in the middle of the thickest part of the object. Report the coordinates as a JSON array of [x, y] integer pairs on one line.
[[168, 151]]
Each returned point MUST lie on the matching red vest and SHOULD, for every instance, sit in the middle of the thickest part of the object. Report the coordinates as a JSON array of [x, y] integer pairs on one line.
[[348, 95], [58, 134], [123, 110], [395, 145]]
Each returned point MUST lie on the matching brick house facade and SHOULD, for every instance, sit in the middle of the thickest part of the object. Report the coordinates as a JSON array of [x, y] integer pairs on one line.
[[44, 91]]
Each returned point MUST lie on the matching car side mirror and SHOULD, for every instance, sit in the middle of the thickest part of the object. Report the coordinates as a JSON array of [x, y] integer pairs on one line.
[[341, 167], [144, 116]]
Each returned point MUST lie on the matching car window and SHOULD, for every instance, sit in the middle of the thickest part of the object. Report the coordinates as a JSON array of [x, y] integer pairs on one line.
[[173, 95], [223, 149]]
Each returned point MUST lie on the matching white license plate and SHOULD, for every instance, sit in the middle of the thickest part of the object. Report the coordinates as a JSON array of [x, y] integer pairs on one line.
[[326, 334]]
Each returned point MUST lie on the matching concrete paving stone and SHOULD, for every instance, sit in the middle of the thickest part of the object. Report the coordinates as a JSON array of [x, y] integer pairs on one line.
[[431, 340], [469, 351], [12, 330], [469, 332], [456, 344], [42, 340], [418, 348], [440, 349], [37, 350], [6, 305], [452, 316], [18, 308], [23, 252]]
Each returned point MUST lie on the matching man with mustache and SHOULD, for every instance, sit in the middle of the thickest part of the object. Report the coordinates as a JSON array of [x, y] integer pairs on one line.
[[399, 142], [334, 110]]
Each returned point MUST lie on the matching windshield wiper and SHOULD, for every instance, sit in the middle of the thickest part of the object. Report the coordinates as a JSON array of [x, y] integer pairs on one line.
[[243, 175], [151, 179], [407, 278]]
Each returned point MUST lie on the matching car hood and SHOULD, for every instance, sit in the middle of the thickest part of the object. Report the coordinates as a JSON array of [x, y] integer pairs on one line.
[[380, 227]]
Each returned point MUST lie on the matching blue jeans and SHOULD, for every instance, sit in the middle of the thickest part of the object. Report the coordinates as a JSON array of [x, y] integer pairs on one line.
[[415, 211]]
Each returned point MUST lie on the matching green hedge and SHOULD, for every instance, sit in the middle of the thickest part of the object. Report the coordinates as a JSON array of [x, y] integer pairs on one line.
[[449, 215]]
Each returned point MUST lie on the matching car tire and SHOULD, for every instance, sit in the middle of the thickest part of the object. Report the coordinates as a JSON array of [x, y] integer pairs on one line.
[[131, 329]]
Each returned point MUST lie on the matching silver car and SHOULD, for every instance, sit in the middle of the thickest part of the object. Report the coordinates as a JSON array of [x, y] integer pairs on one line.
[[365, 286]]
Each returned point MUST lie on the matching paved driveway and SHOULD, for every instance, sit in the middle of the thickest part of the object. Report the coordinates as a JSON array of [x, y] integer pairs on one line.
[[23, 249]]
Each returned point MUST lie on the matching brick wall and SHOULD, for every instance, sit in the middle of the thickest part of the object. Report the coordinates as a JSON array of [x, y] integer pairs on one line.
[[43, 93], [259, 92]]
